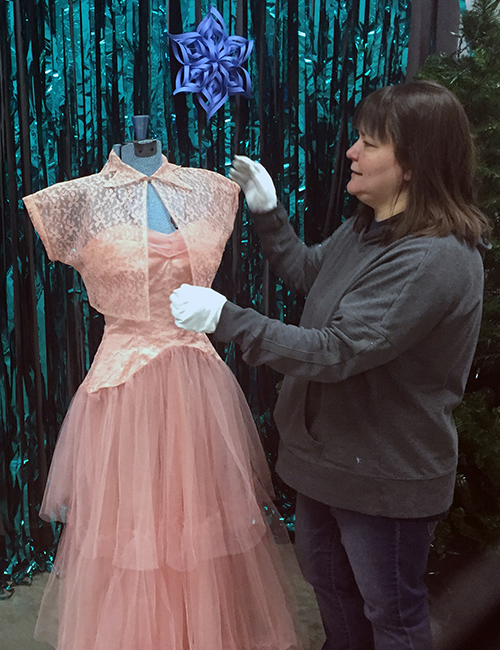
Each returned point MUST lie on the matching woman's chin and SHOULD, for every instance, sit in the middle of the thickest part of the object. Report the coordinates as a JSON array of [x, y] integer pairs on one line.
[[351, 189]]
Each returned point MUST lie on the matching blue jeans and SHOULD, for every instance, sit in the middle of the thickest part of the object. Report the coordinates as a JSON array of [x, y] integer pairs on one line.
[[368, 575]]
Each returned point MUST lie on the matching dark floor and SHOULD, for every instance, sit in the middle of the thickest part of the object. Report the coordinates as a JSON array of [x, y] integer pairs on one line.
[[466, 613]]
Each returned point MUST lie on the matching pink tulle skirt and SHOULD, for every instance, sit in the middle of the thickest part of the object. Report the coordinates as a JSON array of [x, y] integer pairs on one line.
[[167, 545]]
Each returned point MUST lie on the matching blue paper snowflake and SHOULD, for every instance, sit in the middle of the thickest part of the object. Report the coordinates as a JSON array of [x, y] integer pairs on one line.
[[212, 63]]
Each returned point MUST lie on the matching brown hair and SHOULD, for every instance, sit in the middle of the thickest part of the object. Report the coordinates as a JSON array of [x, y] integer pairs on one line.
[[430, 132]]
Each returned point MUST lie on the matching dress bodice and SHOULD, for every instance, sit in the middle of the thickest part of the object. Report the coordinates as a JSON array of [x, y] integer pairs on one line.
[[128, 345], [98, 225]]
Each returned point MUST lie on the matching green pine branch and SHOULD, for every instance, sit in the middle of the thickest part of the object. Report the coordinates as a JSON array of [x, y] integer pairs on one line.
[[473, 74]]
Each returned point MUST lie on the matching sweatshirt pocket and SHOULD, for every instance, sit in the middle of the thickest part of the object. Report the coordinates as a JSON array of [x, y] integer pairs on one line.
[[290, 418]]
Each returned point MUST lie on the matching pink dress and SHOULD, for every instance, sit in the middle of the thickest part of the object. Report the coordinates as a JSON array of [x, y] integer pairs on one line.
[[161, 479]]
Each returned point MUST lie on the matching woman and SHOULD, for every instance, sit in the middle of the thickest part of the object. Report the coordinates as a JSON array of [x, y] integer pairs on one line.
[[378, 363]]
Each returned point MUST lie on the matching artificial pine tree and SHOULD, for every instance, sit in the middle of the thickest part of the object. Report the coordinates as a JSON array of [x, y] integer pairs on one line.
[[473, 73]]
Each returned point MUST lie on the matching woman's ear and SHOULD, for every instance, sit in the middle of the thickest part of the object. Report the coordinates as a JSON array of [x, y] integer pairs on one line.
[[407, 175]]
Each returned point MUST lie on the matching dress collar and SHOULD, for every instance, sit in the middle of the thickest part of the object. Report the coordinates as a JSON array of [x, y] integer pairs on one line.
[[119, 173]]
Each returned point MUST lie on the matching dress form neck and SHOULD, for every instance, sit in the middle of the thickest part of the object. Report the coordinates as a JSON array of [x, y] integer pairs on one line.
[[145, 156]]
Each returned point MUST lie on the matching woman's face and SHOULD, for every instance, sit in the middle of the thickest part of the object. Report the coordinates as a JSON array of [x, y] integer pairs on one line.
[[377, 179]]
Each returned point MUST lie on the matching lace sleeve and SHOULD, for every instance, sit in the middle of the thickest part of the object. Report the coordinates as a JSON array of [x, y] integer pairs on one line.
[[57, 215]]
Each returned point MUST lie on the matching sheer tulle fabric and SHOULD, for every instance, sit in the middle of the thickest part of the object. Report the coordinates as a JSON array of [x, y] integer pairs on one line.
[[165, 544]]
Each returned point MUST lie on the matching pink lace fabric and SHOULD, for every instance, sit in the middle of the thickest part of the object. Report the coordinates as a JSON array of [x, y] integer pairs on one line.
[[98, 225], [128, 345]]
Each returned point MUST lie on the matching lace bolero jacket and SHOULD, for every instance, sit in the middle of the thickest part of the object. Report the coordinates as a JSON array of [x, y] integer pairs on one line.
[[98, 225]]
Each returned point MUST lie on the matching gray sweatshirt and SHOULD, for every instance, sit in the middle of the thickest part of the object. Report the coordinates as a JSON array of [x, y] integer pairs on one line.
[[374, 371]]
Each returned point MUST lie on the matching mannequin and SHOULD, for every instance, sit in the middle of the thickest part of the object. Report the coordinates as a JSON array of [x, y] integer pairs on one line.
[[159, 462], [145, 156]]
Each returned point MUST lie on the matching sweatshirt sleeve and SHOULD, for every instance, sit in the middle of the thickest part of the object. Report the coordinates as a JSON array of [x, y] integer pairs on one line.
[[387, 311], [297, 264]]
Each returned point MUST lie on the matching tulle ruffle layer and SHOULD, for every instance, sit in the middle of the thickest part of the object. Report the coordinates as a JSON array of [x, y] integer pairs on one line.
[[163, 485]]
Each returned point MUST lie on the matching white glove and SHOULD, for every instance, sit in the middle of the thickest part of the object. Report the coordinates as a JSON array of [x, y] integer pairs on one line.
[[257, 185], [196, 308]]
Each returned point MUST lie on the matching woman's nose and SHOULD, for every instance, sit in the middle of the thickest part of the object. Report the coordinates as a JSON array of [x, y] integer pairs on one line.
[[352, 152]]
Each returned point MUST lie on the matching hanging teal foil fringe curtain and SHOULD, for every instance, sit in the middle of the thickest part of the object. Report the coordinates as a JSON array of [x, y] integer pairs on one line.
[[72, 74]]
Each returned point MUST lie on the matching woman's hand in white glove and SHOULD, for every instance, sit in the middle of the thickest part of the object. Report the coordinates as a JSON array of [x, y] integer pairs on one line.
[[257, 185], [196, 308]]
